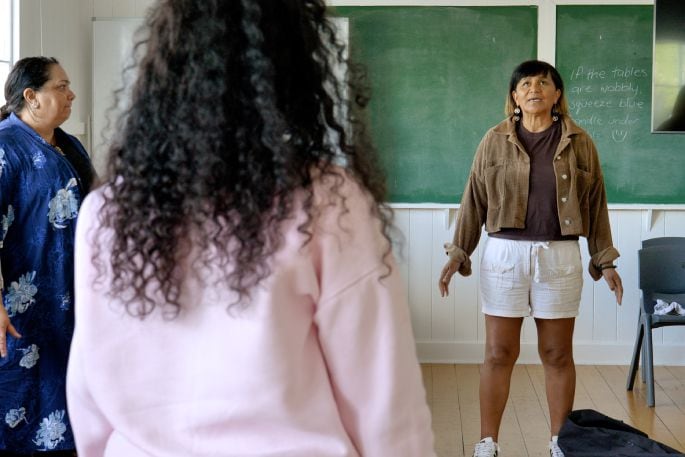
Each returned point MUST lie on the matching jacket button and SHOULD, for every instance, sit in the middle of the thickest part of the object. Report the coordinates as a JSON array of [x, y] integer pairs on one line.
[[567, 221], [563, 199], [557, 157], [564, 176]]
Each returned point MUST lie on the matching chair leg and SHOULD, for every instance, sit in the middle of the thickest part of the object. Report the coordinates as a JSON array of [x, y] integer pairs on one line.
[[643, 372], [635, 363], [648, 363]]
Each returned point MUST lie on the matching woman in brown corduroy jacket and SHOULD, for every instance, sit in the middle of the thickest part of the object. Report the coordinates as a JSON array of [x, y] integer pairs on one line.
[[537, 186]]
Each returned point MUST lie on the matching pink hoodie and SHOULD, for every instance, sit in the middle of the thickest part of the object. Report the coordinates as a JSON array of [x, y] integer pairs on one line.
[[321, 363]]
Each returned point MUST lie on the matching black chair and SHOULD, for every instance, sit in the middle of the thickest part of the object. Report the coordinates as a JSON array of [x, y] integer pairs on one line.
[[664, 241], [660, 241], [661, 276]]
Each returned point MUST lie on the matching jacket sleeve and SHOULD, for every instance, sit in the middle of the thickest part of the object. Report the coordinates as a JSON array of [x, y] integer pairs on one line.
[[599, 240], [365, 333], [472, 215]]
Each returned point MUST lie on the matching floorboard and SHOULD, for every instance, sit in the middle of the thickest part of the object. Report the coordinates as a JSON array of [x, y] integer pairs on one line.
[[452, 394]]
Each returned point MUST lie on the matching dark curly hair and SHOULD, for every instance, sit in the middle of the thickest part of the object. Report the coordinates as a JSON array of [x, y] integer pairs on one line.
[[234, 108]]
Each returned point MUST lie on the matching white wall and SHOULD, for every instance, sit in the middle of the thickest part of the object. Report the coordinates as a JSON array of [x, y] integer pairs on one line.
[[447, 329], [62, 29], [451, 329]]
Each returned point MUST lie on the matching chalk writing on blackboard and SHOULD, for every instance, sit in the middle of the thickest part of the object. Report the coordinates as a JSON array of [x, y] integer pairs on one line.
[[609, 102]]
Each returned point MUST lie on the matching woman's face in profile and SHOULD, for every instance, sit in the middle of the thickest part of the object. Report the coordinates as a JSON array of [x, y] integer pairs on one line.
[[55, 98], [536, 95]]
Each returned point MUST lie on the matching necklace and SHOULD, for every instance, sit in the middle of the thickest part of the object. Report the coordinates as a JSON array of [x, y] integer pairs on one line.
[[57, 148]]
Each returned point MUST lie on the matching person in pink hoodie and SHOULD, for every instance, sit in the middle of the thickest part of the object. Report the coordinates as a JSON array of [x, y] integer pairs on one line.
[[235, 291]]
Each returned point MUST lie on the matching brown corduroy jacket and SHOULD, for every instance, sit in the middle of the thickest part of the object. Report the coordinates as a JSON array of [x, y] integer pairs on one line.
[[496, 193]]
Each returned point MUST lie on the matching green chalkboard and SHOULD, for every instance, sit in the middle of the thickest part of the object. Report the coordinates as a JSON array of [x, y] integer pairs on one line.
[[439, 78], [604, 54]]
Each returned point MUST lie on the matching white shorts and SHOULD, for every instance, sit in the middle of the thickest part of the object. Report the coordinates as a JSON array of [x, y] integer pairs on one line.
[[542, 279]]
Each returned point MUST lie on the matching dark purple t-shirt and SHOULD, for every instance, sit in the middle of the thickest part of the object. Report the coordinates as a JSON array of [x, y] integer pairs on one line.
[[542, 219]]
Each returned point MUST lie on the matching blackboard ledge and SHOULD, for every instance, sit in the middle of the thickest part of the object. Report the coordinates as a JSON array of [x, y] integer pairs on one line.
[[449, 210], [612, 206], [424, 205]]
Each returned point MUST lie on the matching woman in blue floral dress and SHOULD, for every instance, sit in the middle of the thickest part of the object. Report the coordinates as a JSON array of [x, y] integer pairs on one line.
[[44, 175]]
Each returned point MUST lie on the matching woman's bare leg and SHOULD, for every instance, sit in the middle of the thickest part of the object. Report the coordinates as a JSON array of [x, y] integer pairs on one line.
[[502, 347], [555, 346]]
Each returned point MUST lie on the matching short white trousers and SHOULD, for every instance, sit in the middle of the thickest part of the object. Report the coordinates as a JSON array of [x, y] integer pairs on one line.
[[543, 279]]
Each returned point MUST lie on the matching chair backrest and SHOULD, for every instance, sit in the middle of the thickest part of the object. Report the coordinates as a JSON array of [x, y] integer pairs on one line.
[[664, 240], [662, 274]]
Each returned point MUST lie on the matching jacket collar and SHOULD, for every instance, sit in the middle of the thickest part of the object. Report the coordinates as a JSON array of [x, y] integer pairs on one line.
[[508, 127], [14, 120]]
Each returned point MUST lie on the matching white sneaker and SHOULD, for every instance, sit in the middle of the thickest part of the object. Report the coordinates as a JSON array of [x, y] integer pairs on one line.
[[554, 449], [486, 448]]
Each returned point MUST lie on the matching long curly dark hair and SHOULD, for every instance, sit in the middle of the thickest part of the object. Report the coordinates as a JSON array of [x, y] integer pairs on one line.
[[234, 110]]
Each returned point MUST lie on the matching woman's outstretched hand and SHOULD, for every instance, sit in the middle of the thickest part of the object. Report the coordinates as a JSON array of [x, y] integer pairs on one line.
[[613, 279], [448, 271]]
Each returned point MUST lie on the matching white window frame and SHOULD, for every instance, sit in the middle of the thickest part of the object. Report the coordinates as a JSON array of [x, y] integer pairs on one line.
[[13, 32]]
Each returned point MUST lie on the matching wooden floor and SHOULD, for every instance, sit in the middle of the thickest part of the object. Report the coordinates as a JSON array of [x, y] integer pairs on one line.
[[452, 392]]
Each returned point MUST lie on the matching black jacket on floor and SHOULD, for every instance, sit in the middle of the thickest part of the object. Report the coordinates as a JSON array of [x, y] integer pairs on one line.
[[588, 433]]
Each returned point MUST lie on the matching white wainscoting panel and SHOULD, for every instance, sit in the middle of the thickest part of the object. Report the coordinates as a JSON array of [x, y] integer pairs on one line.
[[451, 329]]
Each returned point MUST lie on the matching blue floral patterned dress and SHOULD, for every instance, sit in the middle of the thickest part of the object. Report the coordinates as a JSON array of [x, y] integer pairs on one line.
[[40, 195]]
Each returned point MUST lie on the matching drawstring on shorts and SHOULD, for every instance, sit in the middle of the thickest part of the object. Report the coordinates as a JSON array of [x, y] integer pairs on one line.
[[535, 252]]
